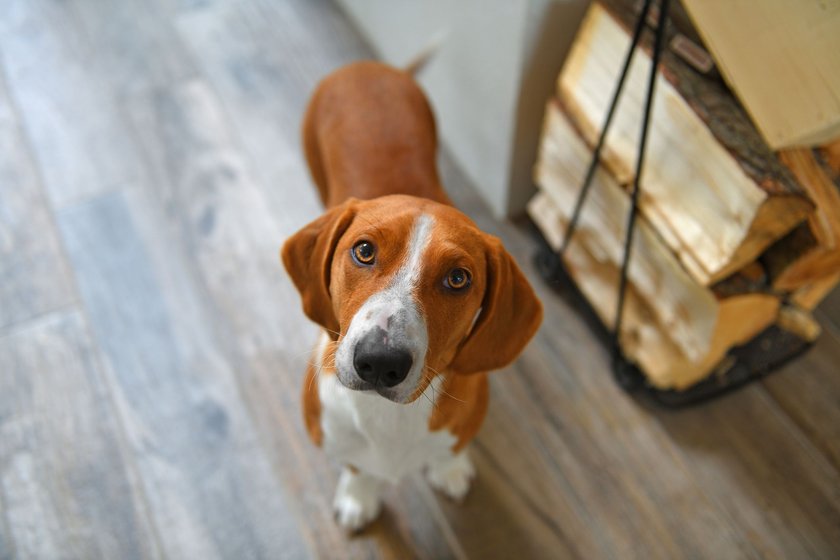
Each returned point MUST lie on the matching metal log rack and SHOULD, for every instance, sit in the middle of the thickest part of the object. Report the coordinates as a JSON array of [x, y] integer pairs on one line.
[[747, 362]]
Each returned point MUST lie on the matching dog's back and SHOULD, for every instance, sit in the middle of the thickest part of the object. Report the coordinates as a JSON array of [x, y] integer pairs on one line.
[[369, 131]]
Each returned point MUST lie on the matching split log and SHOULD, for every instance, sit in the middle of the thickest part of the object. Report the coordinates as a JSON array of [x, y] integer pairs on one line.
[[711, 187], [646, 342], [771, 348], [675, 329], [805, 260], [800, 322], [795, 259]]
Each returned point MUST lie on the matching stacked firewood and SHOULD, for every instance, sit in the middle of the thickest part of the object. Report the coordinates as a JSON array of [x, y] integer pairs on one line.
[[733, 241]]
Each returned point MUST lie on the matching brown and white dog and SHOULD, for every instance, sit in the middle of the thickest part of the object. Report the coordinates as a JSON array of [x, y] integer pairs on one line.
[[416, 303]]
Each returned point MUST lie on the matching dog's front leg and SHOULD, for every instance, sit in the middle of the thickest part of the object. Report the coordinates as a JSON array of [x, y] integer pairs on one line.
[[452, 475], [357, 499]]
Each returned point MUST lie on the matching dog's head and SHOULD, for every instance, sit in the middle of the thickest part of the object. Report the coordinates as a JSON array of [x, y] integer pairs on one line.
[[410, 288]]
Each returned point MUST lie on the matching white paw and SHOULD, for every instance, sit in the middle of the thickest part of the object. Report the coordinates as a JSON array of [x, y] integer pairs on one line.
[[452, 476], [356, 501]]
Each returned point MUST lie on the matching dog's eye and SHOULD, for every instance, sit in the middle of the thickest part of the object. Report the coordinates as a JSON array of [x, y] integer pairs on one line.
[[364, 252], [457, 279]]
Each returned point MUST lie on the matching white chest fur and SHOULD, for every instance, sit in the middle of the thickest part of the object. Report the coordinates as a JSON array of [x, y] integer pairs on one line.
[[382, 438]]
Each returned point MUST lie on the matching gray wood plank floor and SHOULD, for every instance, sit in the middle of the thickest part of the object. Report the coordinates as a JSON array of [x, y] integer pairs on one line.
[[152, 348]]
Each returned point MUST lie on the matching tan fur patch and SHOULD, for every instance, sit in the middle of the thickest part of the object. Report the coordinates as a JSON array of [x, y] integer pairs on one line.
[[461, 406], [312, 406], [321, 364]]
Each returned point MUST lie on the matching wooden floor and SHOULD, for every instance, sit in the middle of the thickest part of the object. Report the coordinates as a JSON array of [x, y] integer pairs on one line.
[[152, 348]]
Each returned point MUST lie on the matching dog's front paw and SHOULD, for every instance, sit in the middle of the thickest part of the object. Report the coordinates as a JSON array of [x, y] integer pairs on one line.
[[357, 500], [452, 476]]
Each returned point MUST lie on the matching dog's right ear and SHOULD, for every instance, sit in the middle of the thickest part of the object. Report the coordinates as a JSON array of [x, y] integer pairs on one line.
[[307, 256]]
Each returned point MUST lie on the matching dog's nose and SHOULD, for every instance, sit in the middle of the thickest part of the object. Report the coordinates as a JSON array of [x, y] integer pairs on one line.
[[379, 364]]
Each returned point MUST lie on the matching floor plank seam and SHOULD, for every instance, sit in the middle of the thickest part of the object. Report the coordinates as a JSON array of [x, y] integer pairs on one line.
[[796, 431], [543, 516], [6, 528], [800, 431], [428, 496], [829, 324], [32, 321], [129, 458], [228, 341], [120, 431]]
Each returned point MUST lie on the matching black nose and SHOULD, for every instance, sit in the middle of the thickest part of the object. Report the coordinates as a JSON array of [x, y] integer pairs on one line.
[[379, 364]]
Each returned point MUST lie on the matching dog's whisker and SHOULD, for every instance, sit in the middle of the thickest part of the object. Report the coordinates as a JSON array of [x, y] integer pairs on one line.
[[316, 363], [433, 372], [426, 379], [432, 401], [453, 397], [338, 334], [312, 380]]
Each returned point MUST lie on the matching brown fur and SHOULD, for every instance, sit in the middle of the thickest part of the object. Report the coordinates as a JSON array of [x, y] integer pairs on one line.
[[369, 134], [368, 129], [461, 407], [312, 405]]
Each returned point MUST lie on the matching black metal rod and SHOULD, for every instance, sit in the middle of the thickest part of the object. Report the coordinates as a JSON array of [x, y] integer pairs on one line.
[[634, 197], [596, 154]]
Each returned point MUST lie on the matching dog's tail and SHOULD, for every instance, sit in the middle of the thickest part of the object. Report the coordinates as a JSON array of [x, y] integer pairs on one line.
[[416, 64]]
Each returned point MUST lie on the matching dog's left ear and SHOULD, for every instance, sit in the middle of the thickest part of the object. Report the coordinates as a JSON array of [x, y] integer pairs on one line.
[[307, 256], [510, 315]]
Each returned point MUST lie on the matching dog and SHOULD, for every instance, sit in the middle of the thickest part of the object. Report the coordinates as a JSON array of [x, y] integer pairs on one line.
[[416, 303]]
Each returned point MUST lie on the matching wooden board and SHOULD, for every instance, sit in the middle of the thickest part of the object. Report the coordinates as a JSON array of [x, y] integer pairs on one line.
[[30, 252], [719, 444], [73, 121], [829, 309], [676, 329], [170, 381], [808, 389], [601, 455], [130, 50], [781, 59], [267, 94], [566, 443], [68, 487], [702, 166]]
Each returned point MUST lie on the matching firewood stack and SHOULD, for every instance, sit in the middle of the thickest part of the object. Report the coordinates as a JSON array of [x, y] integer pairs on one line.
[[735, 240]]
